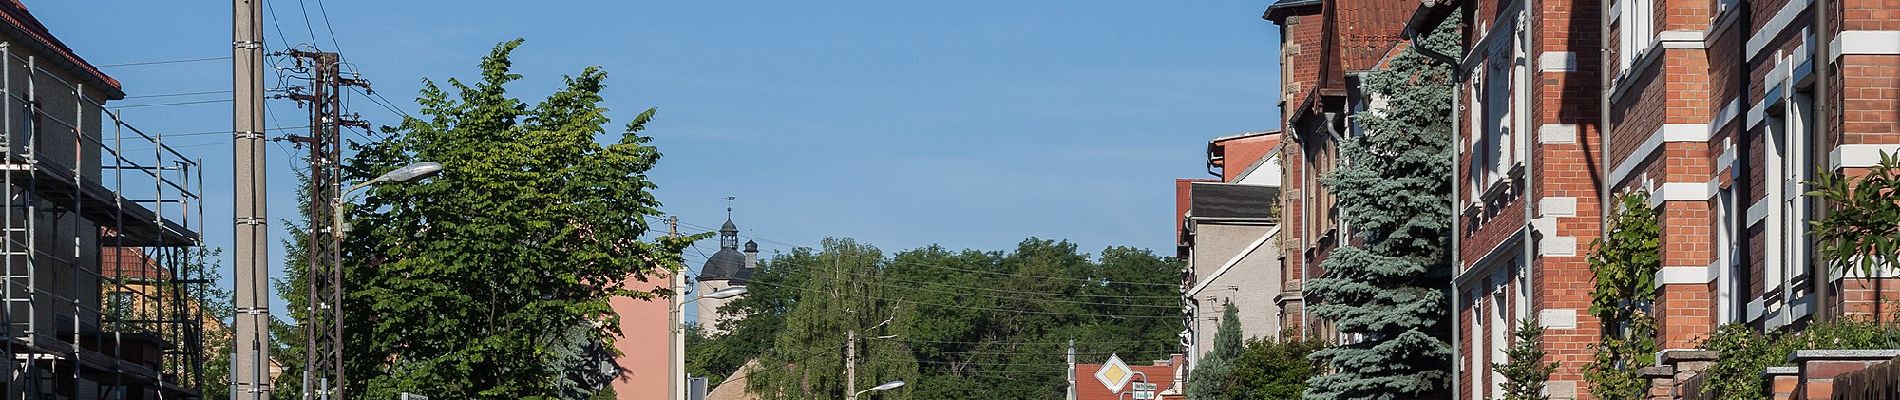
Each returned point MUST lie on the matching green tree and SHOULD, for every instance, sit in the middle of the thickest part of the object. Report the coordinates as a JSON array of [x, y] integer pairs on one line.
[[1000, 320], [1861, 230], [1526, 373], [1391, 287], [492, 280], [1624, 267], [842, 296], [1274, 370], [1214, 378]]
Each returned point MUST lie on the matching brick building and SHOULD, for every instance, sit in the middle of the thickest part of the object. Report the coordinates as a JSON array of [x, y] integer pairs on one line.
[[1325, 46], [1716, 108]]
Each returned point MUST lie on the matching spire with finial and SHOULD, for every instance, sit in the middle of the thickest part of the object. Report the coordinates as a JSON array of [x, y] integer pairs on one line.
[[729, 233]]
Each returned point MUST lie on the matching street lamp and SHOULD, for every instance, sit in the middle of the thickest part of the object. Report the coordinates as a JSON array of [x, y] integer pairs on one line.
[[408, 173], [879, 388], [324, 290], [679, 332]]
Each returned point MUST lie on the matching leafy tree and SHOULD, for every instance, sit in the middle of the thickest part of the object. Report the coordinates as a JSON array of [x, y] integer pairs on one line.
[[1271, 370], [1624, 267], [492, 281], [842, 296], [1526, 373], [999, 320], [1214, 379], [1390, 289], [1861, 230]]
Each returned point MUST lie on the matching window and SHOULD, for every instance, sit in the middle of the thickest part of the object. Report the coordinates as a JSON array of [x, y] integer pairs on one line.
[[1502, 102], [1730, 289], [1635, 30], [1787, 165]]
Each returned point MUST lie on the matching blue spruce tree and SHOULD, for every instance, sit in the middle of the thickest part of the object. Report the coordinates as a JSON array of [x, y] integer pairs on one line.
[[1388, 291]]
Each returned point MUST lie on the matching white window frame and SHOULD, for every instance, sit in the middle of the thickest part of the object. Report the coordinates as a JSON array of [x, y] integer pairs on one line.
[[1728, 288], [1636, 30], [1478, 334], [1500, 341]]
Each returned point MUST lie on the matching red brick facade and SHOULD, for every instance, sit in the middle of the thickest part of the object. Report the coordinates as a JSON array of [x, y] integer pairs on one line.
[[1715, 107]]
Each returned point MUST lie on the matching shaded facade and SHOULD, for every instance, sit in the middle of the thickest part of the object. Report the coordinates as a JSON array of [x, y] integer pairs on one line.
[[76, 324]]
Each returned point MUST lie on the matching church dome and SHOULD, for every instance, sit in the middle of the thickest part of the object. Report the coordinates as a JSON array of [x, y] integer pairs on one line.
[[727, 264]]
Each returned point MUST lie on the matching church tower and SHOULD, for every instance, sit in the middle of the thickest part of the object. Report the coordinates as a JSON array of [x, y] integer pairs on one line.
[[724, 269]]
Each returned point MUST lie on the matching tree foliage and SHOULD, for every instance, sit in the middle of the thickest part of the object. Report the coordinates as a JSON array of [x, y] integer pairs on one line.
[[1274, 370], [492, 280], [1213, 378], [841, 305], [1390, 290], [1861, 230], [1624, 267], [999, 320], [1257, 369], [1526, 372]]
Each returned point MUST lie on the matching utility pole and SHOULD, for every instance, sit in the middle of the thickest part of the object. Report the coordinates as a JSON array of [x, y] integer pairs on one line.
[[323, 330], [1071, 369], [676, 383], [851, 363], [251, 275]]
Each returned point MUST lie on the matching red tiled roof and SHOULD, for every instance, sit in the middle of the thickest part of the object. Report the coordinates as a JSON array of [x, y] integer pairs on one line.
[[1087, 388], [1368, 29], [21, 24]]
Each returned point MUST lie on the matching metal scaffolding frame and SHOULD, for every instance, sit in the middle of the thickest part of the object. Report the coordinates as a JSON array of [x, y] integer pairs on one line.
[[74, 326]]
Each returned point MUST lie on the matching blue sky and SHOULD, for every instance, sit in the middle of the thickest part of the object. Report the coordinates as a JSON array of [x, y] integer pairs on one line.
[[971, 124]]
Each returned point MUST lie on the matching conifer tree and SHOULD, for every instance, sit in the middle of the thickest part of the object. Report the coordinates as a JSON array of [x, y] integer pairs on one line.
[[1388, 291], [1526, 373], [1212, 379]]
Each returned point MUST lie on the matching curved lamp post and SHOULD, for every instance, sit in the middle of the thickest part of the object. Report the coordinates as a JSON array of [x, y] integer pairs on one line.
[[679, 336], [879, 388], [408, 173]]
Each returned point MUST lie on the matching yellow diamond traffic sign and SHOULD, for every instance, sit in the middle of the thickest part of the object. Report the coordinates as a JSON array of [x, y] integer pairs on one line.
[[1114, 374]]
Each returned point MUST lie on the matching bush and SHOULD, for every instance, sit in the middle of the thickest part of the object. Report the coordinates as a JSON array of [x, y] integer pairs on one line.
[[1746, 352]]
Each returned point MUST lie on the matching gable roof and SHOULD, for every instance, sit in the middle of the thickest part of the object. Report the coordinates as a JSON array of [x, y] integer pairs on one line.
[[21, 25]]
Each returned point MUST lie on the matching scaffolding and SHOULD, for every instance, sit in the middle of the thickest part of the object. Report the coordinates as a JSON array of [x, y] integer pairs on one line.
[[98, 240]]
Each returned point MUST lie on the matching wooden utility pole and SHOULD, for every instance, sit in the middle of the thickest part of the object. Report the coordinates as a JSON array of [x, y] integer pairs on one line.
[[251, 240]]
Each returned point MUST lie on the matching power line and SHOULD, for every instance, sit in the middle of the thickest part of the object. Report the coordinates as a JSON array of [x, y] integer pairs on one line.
[[306, 19], [148, 96], [188, 60], [1084, 280], [328, 27], [1000, 293], [978, 308], [183, 103]]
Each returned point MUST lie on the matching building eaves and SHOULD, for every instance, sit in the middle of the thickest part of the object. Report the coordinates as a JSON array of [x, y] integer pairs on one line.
[[21, 24], [1429, 14], [1279, 10], [1243, 136]]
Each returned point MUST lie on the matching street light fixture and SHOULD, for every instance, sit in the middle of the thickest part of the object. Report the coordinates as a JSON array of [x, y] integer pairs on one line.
[[879, 388], [408, 173], [679, 335], [730, 292]]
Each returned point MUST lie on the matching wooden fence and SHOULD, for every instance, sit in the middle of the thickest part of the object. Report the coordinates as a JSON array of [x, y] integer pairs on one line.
[[1878, 382]]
